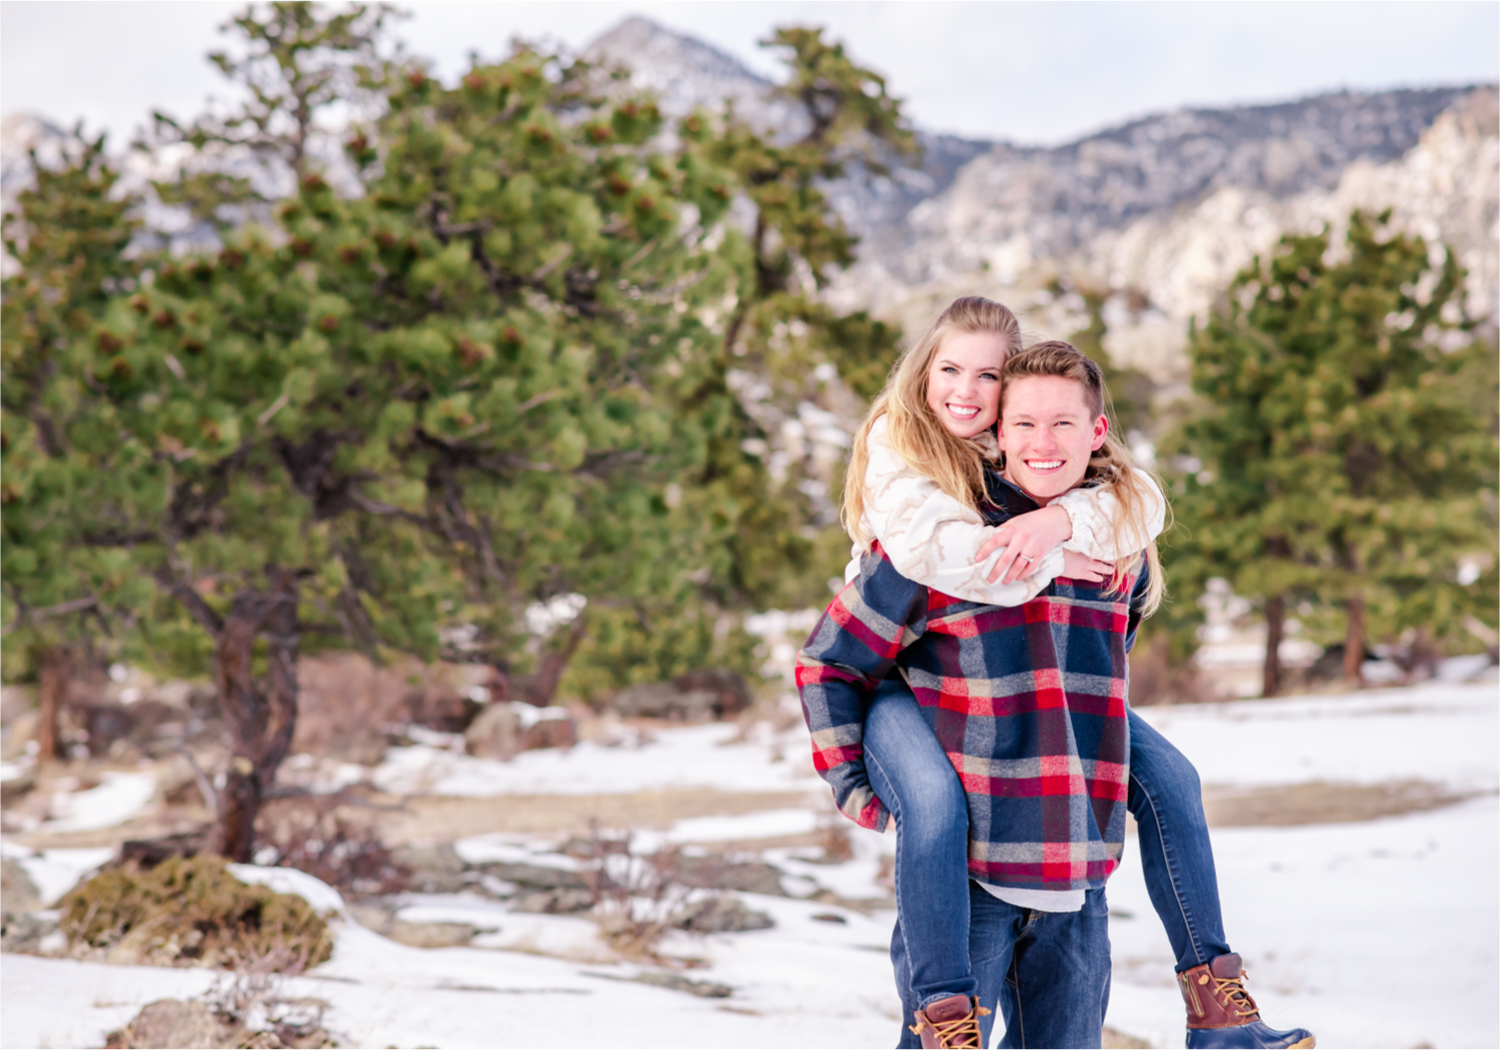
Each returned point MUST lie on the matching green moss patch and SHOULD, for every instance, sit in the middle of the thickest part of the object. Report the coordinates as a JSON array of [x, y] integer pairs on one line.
[[189, 911]]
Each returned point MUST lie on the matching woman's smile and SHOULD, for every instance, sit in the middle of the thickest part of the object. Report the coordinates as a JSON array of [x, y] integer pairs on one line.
[[963, 382]]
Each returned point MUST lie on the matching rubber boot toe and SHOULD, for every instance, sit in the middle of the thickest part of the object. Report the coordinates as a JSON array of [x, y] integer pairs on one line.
[[1254, 1034]]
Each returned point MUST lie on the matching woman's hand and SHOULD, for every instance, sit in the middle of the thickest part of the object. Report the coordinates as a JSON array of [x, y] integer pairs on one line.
[[1026, 537], [1089, 570]]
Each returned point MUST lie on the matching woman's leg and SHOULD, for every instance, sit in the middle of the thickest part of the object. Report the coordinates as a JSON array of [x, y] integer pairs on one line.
[[1178, 862], [917, 783], [1177, 858]]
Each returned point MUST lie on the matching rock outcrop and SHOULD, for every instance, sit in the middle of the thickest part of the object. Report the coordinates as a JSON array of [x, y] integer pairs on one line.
[[1159, 214]]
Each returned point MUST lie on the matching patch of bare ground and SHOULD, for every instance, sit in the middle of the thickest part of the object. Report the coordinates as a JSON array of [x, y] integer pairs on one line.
[[149, 825], [1321, 802], [402, 820], [1114, 1039], [438, 818]]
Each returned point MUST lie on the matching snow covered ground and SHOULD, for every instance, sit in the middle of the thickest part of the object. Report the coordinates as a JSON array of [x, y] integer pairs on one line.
[[1380, 933]]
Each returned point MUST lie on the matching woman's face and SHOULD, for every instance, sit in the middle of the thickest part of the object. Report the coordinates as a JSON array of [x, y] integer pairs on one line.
[[963, 382]]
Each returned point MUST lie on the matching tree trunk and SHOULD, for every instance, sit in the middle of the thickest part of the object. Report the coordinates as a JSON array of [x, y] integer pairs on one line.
[[1354, 640], [52, 693], [550, 667], [1271, 683], [261, 716]]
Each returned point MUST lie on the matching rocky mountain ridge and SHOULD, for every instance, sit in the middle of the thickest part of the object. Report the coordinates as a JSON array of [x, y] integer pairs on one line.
[[1157, 214]]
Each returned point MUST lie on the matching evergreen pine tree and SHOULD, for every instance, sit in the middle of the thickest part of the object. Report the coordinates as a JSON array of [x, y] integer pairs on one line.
[[69, 237], [1341, 461], [395, 421]]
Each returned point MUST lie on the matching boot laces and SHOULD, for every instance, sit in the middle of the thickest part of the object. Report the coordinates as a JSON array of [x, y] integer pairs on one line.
[[959, 1033], [1231, 991]]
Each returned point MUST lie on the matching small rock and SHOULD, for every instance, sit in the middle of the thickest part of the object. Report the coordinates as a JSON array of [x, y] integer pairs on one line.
[[377, 917], [434, 869], [549, 732], [19, 731], [501, 731], [731, 692], [106, 723], [713, 872], [174, 1024], [665, 700], [432, 934], [18, 894], [23, 934], [382, 920], [535, 876], [148, 853], [495, 733], [15, 701], [828, 916], [721, 915], [562, 901], [693, 697], [679, 983]]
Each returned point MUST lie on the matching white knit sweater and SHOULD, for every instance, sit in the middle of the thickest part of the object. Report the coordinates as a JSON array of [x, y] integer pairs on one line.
[[933, 539]]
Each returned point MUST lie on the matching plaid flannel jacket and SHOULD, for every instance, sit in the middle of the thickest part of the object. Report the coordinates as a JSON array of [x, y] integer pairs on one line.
[[1028, 702]]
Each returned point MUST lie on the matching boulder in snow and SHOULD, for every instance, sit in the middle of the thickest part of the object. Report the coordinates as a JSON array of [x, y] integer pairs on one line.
[[172, 1024], [504, 730]]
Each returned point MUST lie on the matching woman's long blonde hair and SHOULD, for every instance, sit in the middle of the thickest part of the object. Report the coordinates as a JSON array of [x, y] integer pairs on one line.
[[913, 430], [1111, 464]]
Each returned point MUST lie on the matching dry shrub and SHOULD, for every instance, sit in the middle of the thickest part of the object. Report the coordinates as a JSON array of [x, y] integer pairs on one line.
[[189, 911], [308, 833], [252, 1003], [637, 897]]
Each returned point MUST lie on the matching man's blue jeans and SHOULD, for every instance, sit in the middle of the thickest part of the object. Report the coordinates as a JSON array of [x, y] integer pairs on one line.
[[1049, 971], [915, 780]]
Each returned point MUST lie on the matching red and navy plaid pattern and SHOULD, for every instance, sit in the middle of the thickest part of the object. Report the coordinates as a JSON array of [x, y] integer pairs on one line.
[[1028, 702]]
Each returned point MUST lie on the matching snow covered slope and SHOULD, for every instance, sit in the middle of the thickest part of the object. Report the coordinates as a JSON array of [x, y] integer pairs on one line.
[[1372, 933]]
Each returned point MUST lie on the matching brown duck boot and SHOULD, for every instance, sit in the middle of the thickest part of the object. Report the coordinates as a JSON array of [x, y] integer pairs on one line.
[[950, 1022], [1222, 1016]]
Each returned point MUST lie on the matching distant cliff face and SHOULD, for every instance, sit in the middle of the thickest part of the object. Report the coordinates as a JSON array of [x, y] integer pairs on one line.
[[1062, 198], [1006, 231], [1162, 211], [1159, 214]]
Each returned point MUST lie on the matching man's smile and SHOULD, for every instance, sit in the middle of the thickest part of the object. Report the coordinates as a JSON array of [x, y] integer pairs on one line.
[[1048, 432]]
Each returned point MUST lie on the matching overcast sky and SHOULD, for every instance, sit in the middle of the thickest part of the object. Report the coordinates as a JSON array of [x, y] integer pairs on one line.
[[1033, 72]]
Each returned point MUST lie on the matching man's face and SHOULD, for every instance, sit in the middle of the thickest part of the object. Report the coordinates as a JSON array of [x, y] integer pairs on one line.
[[963, 382], [1047, 433]]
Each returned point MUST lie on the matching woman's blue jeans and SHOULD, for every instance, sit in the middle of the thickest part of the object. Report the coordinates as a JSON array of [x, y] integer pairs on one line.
[[917, 783], [1177, 858]]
